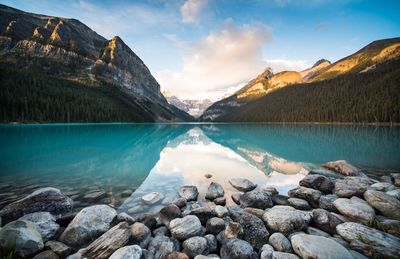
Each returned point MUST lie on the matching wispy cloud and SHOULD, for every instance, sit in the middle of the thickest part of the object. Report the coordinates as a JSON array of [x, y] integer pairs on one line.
[[191, 10]]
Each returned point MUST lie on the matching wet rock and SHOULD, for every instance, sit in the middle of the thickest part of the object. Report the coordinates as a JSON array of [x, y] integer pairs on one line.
[[325, 172], [237, 249], [214, 191], [45, 224], [343, 168], [284, 219], [256, 212], [140, 234], [280, 199], [148, 219], [369, 240], [161, 246], [233, 230], [93, 196], [88, 224], [211, 243], [280, 243], [177, 255], [215, 225], [326, 202], [221, 211], [169, 213], [127, 252], [325, 220], [390, 226], [309, 246], [383, 187], [351, 186], [204, 213], [195, 246], [242, 184], [318, 182], [256, 199], [254, 230], [394, 193], [316, 232], [299, 204], [126, 193], [236, 197], [186, 227], [190, 193], [220, 201], [21, 237], [62, 250], [124, 217], [384, 203], [163, 230], [152, 198], [356, 209], [109, 242], [45, 199], [308, 194], [46, 255]]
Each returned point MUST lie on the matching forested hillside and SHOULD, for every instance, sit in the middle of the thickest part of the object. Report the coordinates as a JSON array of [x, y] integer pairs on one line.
[[372, 96]]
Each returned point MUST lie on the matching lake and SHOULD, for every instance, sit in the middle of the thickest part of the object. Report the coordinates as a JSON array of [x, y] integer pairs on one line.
[[117, 164]]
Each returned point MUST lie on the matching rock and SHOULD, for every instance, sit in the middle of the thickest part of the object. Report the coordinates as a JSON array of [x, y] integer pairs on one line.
[[140, 234], [21, 237], [45, 224], [256, 199], [148, 219], [279, 199], [236, 197], [211, 243], [233, 230], [242, 184], [64, 219], [177, 255], [77, 255], [343, 168], [163, 230], [284, 219], [169, 213], [351, 186], [127, 252], [93, 196], [256, 212], [282, 255], [386, 179], [59, 248], [46, 255], [326, 202], [309, 246], [396, 179], [161, 246], [390, 226], [237, 249], [308, 194], [45, 199], [280, 243], [325, 220], [394, 193], [186, 227], [375, 241], [270, 190], [316, 232], [190, 193], [208, 176], [215, 225], [206, 257], [384, 203], [180, 202], [88, 224], [266, 252], [109, 242], [383, 187], [125, 217], [356, 209], [235, 212], [254, 230], [299, 204], [220, 201], [318, 182], [126, 193], [152, 198], [204, 213], [195, 246], [357, 255], [325, 172], [214, 191]]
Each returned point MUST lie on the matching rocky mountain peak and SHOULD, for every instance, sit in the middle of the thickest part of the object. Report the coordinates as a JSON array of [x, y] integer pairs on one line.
[[321, 61]]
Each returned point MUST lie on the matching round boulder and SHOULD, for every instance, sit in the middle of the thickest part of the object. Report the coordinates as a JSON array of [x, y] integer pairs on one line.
[[242, 184], [186, 227], [190, 193], [195, 246], [237, 249], [45, 223], [284, 219], [131, 252], [256, 199], [215, 190], [386, 204]]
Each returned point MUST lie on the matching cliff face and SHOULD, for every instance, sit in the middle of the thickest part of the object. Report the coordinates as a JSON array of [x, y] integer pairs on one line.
[[68, 49]]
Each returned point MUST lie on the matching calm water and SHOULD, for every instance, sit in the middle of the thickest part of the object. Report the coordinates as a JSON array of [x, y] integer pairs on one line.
[[118, 163]]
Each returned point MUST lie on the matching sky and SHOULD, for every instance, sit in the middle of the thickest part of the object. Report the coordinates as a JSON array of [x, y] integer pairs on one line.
[[199, 49]]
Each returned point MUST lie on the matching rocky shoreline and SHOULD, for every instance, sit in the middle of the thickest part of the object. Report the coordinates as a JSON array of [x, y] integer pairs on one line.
[[337, 212]]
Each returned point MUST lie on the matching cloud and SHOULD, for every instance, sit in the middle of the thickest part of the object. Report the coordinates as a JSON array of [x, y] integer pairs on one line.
[[279, 65], [191, 10], [225, 58]]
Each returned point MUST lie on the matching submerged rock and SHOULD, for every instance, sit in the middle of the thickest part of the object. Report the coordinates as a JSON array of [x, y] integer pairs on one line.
[[256, 199], [190, 193], [46, 199], [127, 252], [384, 203], [45, 224], [242, 184], [46, 255], [284, 219], [214, 191], [21, 237], [356, 209], [152, 198], [186, 227], [343, 168], [61, 249]]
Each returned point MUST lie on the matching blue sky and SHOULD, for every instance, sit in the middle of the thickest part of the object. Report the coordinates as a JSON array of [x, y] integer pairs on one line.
[[208, 48]]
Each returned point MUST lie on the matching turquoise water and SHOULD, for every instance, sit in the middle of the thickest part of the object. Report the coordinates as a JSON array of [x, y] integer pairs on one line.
[[118, 163]]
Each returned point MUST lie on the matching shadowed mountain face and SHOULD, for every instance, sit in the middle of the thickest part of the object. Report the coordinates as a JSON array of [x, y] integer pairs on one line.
[[68, 49], [362, 87]]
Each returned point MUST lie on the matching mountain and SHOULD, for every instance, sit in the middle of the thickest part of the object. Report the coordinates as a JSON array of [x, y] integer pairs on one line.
[[192, 107], [67, 58], [363, 87]]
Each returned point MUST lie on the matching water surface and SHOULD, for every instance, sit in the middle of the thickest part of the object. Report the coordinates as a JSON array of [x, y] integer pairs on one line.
[[118, 163]]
